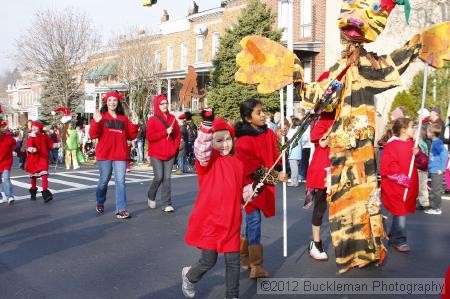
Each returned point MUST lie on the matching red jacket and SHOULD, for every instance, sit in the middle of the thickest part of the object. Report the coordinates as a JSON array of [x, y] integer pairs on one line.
[[215, 220], [160, 146], [38, 161], [315, 178], [7, 145], [112, 134], [255, 152], [394, 168]]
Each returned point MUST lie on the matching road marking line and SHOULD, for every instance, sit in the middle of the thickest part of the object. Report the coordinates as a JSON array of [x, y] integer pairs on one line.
[[27, 186], [69, 183], [77, 177]]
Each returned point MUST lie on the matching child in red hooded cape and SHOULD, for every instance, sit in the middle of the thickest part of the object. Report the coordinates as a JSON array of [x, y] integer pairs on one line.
[[38, 146], [257, 148], [215, 221], [394, 169]]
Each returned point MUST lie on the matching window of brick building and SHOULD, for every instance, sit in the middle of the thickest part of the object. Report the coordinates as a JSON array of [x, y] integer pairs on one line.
[[199, 49], [283, 16], [157, 61], [307, 69], [215, 43], [183, 55], [306, 18], [169, 58]]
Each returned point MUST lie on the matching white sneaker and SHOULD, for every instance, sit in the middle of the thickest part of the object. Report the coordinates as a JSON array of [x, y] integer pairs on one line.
[[433, 211], [3, 200], [169, 209], [11, 200], [151, 204], [317, 253], [187, 287]]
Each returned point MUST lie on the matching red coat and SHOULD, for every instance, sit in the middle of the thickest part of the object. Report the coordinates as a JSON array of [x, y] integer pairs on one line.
[[395, 160], [7, 145], [255, 152], [38, 161], [159, 146], [216, 218], [112, 134], [315, 178]]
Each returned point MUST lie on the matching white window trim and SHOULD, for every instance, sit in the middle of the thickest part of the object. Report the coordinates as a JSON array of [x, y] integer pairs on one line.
[[199, 59], [305, 26], [215, 43], [169, 65], [183, 55]]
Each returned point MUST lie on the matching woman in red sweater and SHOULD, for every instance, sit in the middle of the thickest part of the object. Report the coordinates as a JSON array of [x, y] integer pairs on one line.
[[7, 144], [112, 129], [315, 180], [164, 137]]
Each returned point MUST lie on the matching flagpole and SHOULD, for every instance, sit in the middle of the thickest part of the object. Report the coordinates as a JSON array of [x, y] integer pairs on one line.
[[422, 106], [283, 159]]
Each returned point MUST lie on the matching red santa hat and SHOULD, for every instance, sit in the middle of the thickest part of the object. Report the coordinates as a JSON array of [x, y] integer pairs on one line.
[[113, 94], [219, 124], [66, 111], [38, 123]]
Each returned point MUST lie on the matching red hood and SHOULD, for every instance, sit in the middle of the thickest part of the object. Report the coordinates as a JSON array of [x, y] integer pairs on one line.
[[156, 101]]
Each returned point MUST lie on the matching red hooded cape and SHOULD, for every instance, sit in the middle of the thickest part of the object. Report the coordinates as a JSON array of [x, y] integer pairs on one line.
[[216, 218], [38, 161], [159, 146], [255, 152], [315, 178], [396, 159]]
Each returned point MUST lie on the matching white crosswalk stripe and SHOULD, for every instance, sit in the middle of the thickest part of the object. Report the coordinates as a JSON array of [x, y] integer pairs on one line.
[[68, 181]]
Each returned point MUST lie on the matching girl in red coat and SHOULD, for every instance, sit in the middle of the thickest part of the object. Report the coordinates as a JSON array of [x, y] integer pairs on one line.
[[256, 147], [215, 220], [112, 128], [7, 145], [38, 146], [164, 137], [315, 180], [394, 168]]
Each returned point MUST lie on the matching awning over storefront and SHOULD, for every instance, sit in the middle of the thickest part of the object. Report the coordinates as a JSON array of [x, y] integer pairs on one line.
[[105, 70]]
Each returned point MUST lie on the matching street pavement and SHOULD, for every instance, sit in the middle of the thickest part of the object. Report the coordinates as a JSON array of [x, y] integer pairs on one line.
[[64, 249]]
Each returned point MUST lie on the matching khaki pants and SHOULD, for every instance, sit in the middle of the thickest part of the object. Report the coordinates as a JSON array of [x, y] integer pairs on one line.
[[71, 157], [423, 188]]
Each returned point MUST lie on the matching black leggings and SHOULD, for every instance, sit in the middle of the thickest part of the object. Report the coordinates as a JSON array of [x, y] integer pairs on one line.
[[320, 206]]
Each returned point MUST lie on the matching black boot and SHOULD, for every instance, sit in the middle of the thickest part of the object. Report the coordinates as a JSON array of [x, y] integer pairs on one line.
[[33, 193], [47, 195]]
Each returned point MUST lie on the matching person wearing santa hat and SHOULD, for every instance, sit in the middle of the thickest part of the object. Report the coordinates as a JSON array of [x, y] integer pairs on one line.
[[214, 224], [112, 128], [164, 137], [38, 146], [7, 145]]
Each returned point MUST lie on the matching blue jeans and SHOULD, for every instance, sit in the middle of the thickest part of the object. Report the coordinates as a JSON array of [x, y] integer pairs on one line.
[[6, 185], [140, 151], [397, 235], [105, 168], [251, 227], [181, 164]]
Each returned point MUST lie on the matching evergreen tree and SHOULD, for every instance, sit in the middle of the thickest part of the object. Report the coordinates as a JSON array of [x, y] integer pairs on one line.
[[224, 94], [412, 99]]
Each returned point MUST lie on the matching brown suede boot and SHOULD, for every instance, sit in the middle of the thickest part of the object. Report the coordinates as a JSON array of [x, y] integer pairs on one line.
[[245, 261], [256, 261]]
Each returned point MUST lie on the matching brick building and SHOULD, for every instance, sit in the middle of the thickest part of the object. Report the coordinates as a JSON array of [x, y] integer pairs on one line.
[[194, 39]]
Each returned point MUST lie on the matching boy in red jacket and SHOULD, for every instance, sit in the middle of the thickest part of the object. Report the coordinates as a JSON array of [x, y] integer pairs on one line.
[[315, 180], [38, 146], [215, 221], [7, 144]]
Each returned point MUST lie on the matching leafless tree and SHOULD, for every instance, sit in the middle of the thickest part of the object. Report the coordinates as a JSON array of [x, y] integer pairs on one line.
[[137, 68], [56, 46]]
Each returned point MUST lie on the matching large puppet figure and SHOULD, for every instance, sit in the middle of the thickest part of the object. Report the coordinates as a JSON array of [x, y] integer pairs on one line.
[[354, 213]]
